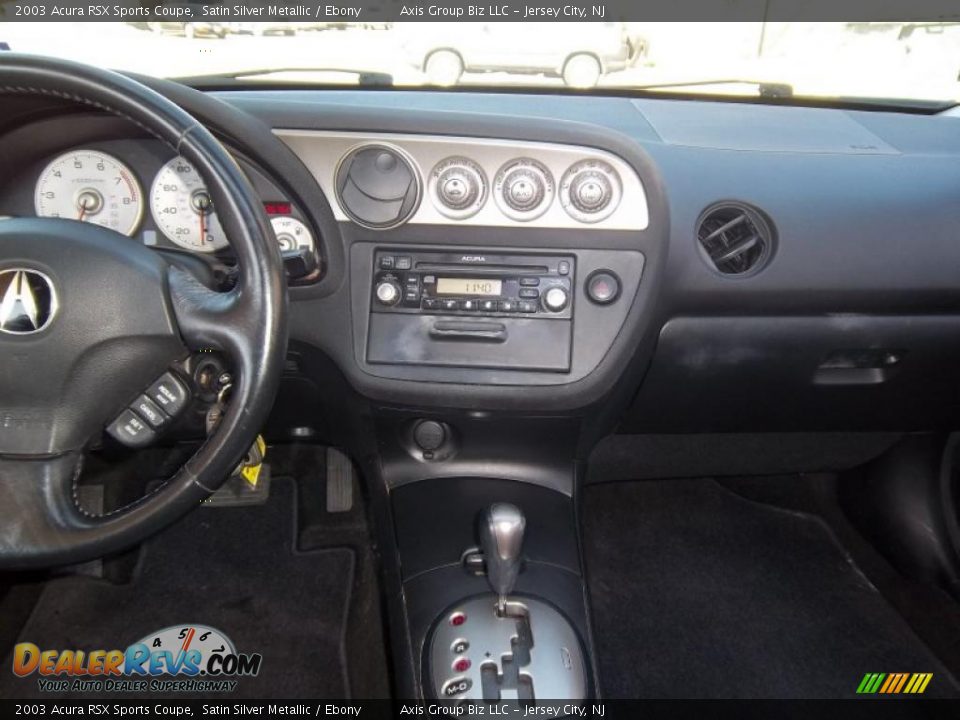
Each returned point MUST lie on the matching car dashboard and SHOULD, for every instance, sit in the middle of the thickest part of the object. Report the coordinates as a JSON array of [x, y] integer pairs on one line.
[[697, 265]]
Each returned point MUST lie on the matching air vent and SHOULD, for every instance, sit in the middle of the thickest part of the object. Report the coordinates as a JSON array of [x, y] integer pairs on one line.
[[736, 239], [378, 186]]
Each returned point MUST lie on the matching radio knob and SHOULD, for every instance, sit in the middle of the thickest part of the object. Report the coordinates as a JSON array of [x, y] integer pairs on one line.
[[555, 299], [388, 292]]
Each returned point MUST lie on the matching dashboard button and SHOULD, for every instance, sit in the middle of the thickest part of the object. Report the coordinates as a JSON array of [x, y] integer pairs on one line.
[[148, 410], [131, 430], [403, 263], [603, 287], [169, 393], [387, 262], [563, 267]]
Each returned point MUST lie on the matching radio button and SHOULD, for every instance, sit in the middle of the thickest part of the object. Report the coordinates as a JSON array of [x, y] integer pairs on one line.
[[404, 263], [529, 293], [430, 304], [450, 304], [527, 306], [563, 267], [508, 306], [529, 282], [429, 279], [469, 305], [411, 297], [488, 305]]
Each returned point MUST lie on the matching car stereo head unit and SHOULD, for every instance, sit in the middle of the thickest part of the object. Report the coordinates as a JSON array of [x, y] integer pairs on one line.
[[473, 284]]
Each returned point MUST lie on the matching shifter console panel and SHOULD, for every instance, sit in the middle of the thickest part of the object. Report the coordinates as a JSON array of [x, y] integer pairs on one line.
[[526, 652]]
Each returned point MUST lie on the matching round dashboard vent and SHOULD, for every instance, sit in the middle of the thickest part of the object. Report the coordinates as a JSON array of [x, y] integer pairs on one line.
[[736, 238], [378, 186]]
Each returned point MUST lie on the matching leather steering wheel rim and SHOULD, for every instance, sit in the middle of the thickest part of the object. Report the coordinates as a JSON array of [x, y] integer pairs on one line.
[[41, 523]]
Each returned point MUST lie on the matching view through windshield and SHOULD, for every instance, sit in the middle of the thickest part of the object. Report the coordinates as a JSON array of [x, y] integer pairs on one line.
[[918, 61]]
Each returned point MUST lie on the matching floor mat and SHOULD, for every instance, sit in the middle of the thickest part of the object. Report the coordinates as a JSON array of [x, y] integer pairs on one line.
[[699, 593], [233, 569]]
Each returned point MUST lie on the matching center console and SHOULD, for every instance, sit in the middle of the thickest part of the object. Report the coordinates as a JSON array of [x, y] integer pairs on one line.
[[494, 593]]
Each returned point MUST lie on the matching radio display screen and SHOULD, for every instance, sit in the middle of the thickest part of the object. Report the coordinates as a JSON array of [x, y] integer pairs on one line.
[[468, 286]]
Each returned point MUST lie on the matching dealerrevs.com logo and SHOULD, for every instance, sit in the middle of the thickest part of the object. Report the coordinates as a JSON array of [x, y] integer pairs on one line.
[[180, 658]]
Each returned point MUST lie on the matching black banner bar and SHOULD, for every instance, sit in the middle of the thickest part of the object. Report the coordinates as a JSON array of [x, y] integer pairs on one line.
[[868, 709], [499, 11]]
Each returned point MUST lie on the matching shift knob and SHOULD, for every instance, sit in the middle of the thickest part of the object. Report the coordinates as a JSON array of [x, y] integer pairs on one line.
[[501, 538]]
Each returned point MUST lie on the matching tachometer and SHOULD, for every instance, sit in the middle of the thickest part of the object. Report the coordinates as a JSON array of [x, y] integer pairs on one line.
[[183, 209], [90, 186]]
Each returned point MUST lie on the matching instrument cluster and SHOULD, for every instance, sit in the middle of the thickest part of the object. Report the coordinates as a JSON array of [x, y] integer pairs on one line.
[[94, 186]]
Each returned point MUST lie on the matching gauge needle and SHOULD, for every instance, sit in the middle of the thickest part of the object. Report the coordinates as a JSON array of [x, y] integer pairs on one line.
[[203, 226]]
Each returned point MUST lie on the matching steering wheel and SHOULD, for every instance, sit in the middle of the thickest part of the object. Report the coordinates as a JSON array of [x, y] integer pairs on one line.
[[114, 317]]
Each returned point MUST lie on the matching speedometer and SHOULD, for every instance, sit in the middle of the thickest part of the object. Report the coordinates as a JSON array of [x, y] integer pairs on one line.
[[90, 186], [183, 209]]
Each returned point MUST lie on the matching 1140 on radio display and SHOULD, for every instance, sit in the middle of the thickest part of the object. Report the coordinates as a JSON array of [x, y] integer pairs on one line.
[[468, 286]]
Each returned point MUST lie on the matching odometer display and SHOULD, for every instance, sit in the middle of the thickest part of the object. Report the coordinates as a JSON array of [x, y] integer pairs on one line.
[[90, 186], [183, 209], [468, 286]]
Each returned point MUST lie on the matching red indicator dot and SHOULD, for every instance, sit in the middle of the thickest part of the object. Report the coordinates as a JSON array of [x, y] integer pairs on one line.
[[461, 665], [458, 619]]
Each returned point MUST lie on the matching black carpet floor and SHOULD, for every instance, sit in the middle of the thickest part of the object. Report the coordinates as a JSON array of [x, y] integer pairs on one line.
[[700, 593], [234, 569]]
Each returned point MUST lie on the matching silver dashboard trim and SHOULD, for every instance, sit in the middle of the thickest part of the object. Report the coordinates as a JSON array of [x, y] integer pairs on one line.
[[322, 151]]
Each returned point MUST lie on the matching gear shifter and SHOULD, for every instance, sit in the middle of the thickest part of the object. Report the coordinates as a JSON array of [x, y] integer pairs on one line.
[[501, 539]]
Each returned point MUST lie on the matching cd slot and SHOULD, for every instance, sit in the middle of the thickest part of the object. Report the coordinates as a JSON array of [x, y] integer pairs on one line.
[[487, 269]]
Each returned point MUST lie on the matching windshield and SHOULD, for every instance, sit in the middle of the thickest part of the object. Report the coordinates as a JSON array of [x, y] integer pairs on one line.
[[888, 61]]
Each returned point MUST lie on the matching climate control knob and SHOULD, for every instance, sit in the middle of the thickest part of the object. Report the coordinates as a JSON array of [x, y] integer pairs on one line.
[[590, 191], [524, 189], [458, 187], [555, 299], [388, 292]]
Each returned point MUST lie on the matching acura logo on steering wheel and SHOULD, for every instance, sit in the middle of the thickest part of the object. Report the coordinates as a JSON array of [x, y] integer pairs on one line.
[[28, 301]]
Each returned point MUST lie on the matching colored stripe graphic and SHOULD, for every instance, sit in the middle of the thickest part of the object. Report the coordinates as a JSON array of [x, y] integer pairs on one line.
[[894, 683]]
